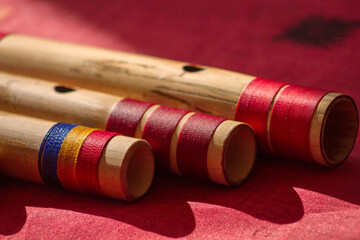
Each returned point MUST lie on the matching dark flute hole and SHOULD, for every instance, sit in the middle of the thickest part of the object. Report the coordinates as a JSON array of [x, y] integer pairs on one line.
[[191, 68], [63, 89]]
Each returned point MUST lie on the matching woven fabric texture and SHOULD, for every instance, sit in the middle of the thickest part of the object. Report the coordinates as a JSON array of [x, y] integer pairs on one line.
[[307, 43]]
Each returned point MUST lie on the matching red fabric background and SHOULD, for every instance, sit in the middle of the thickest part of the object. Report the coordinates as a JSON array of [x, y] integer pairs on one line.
[[281, 199]]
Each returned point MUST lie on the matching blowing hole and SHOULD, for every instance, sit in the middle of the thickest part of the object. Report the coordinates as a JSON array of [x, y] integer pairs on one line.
[[192, 68], [340, 129], [63, 89]]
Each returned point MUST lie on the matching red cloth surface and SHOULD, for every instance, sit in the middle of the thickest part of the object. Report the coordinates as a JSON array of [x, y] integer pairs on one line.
[[309, 43]]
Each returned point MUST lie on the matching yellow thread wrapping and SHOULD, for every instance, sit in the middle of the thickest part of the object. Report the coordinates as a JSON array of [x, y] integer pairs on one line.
[[68, 155]]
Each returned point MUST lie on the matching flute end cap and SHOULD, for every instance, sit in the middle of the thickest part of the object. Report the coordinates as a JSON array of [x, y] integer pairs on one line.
[[339, 130]]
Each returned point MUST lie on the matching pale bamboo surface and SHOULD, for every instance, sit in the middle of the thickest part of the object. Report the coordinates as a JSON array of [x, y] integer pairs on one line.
[[41, 100], [126, 166], [163, 81], [232, 144], [174, 83], [20, 140]]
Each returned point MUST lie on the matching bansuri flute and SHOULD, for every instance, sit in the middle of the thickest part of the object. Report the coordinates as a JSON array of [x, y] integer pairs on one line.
[[290, 121], [190, 144], [75, 157]]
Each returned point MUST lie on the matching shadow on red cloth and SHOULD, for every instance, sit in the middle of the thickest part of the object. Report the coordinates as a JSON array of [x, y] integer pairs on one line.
[[268, 195]]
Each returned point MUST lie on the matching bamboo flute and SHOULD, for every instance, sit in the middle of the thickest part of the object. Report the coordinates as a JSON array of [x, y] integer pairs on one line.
[[125, 168], [290, 121], [230, 153]]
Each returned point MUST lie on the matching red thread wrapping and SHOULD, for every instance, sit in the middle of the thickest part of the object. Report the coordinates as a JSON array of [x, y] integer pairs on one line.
[[158, 131], [254, 105], [88, 161], [193, 143], [291, 120], [126, 115], [2, 35]]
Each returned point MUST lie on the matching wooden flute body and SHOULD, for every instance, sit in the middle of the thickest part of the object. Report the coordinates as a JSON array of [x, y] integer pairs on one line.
[[231, 151], [166, 82], [125, 168], [331, 125]]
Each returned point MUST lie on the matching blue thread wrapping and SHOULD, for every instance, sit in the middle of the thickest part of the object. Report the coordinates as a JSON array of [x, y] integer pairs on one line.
[[42, 149], [50, 150]]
